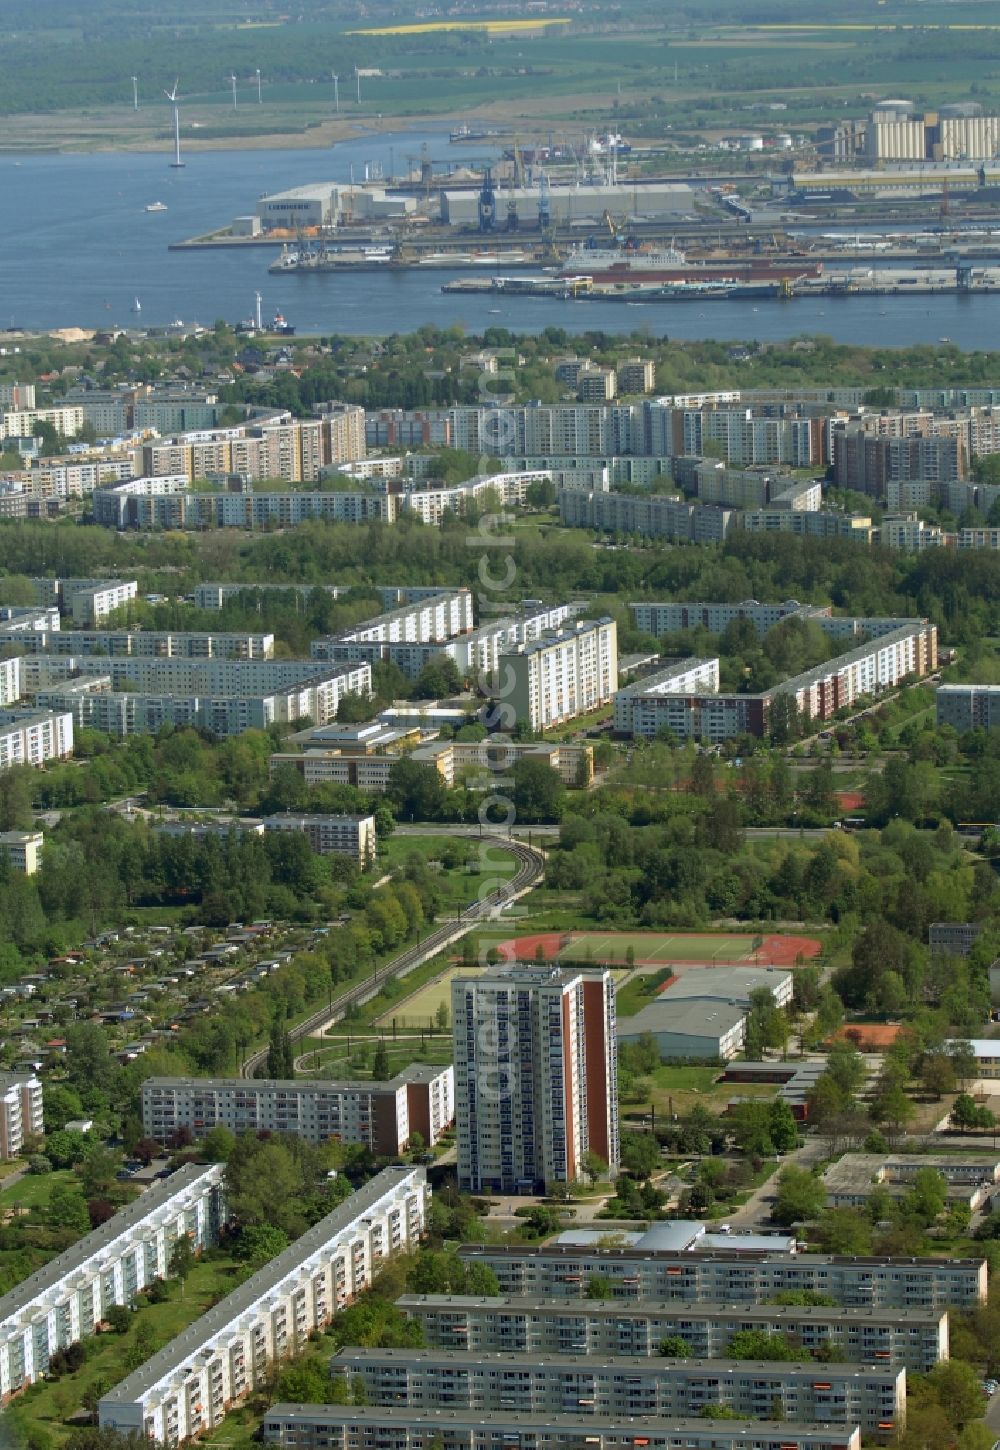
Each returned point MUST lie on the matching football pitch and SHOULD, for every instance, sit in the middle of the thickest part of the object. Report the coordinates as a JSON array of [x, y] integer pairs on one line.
[[646, 948]]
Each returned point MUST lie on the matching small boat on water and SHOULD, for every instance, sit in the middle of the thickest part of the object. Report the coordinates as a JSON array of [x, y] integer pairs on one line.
[[156, 206]]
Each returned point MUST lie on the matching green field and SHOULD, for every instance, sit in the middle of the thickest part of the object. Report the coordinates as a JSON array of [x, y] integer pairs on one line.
[[418, 1010], [654, 947], [35, 1189]]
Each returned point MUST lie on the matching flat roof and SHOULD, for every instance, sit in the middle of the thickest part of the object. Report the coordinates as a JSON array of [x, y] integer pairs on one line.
[[712, 1310], [660, 682], [686, 1018], [728, 984], [554, 637], [224, 1314], [415, 1072], [586, 1425], [26, 1295], [859, 1171], [636, 1363], [863, 1261]]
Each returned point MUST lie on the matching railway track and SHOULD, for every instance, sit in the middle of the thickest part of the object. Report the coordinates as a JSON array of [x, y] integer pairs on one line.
[[530, 866]]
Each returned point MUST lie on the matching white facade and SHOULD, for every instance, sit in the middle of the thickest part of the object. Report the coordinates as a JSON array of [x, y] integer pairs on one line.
[[910, 535], [558, 676], [34, 738], [535, 1076], [226, 696], [431, 504], [23, 850], [67, 1299], [11, 681], [187, 1388], [642, 708], [89, 603], [20, 1112]]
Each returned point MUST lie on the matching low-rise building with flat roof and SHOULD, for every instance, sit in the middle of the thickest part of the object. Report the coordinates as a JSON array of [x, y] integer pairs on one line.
[[701, 1016], [849, 1181]]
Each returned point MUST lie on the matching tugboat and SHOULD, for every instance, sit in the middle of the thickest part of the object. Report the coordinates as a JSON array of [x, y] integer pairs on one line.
[[281, 327]]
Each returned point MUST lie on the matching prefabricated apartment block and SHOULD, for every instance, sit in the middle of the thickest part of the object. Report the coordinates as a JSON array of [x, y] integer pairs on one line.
[[561, 1270], [68, 1298], [379, 1115], [429, 1379], [914, 1338], [187, 1388], [365, 1427]]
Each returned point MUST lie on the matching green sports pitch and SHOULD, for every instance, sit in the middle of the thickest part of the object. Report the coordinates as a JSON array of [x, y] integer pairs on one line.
[[662, 948]]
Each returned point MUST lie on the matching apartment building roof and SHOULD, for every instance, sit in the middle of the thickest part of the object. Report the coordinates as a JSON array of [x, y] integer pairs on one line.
[[681, 1308], [224, 1314], [836, 663], [587, 1425], [635, 1363], [415, 1072], [552, 638], [800, 1261]]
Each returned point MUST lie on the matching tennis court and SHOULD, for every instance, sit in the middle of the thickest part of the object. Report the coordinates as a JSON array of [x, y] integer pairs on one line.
[[645, 948]]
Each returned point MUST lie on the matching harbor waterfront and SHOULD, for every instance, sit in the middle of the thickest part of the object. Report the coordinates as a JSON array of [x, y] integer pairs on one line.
[[97, 247]]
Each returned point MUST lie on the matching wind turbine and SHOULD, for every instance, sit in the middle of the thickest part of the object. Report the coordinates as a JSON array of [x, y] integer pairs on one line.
[[233, 79], [336, 92], [172, 98], [258, 86], [357, 77], [135, 93]]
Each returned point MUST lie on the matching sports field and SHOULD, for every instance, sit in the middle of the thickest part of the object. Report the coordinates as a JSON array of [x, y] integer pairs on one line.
[[662, 949], [419, 1010]]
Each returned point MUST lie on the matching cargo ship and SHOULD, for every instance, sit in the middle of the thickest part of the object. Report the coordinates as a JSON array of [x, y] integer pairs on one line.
[[377, 259], [633, 263]]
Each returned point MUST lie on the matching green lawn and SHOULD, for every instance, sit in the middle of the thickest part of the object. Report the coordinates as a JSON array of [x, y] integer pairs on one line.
[[479, 862], [35, 1189], [677, 1089], [640, 991], [49, 1404]]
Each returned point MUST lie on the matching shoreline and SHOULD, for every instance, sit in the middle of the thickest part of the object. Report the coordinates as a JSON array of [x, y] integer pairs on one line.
[[316, 137]]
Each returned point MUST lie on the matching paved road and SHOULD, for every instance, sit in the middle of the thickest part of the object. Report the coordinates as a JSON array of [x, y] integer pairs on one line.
[[992, 1415], [756, 1212]]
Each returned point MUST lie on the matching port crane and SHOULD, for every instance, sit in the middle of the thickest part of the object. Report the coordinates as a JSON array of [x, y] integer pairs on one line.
[[487, 202]]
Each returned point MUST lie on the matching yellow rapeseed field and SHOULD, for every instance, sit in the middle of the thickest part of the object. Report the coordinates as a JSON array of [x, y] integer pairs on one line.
[[430, 26]]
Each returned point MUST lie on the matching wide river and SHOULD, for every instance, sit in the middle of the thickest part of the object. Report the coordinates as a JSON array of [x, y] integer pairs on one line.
[[78, 248]]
